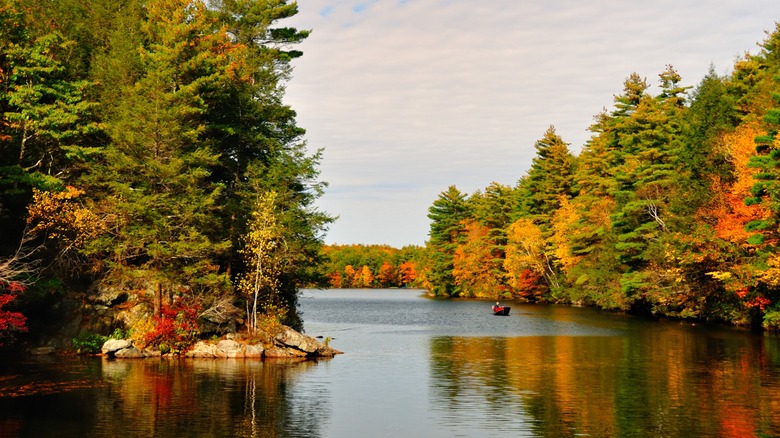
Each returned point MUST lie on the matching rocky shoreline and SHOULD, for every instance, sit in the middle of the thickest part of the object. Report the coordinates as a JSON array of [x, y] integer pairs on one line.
[[287, 343]]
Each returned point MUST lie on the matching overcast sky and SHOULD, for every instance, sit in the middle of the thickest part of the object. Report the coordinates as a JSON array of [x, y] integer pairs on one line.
[[408, 97]]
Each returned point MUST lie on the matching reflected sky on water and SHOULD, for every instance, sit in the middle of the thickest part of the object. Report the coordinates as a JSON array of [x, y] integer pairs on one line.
[[419, 367]]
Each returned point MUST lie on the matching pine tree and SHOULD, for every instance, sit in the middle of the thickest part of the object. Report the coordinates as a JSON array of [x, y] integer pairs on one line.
[[549, 178], [650, 139], [152, 182], [47, 117], [600, 178], [260, 144], [447, 215], [712, 113]]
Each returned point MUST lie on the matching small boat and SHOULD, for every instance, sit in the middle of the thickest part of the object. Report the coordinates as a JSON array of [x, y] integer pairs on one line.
[[500, 310]]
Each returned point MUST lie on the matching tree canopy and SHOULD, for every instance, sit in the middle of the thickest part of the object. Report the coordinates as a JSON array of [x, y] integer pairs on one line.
[[141, 141], [670, 208]]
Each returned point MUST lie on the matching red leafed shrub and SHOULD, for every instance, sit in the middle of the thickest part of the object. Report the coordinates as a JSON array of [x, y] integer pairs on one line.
[[175, 329], [10, 322]]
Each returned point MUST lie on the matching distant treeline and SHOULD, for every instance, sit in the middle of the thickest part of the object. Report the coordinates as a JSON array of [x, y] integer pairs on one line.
[[672, 207], [370, 266]]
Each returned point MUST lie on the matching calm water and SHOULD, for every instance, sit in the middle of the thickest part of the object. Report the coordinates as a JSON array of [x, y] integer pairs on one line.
[[416, 367]]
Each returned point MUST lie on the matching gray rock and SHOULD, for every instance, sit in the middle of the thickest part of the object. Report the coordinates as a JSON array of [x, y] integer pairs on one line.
[[254, 351], [111, 346], [107, 296], [291, 338], [283, 353], [129, 353], [231, 348], [204, 349], [221, 318]]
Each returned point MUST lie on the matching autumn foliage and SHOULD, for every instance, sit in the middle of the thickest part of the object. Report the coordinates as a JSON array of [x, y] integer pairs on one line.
[[671, 208], [370, 266], [175, 329], [134, 142], [728, 208], [11, 322]]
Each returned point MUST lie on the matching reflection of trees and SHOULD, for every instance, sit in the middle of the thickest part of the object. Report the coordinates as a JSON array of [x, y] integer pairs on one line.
[[204, 397], [656, 382]]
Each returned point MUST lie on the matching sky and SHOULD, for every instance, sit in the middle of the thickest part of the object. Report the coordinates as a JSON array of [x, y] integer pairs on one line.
[[409, 97]]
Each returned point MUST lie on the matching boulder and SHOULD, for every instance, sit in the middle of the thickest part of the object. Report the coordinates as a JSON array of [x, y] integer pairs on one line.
[[291, 338], [288, 343], [326, 351], [107, 296], [129, 353], [254, 351], [231, 348], [283, 353], [204, 349], [112, 346], [221, 318]]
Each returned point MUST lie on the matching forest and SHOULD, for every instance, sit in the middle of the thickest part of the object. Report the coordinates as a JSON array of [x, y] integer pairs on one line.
[[671, 209], [369, 266], [151, 177], [153, 182]]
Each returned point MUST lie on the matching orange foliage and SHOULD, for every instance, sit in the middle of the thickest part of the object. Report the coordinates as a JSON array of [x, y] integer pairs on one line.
[[408, 272], [335, 280], [349, 275], [729, 208], [528, 285], [387, 274], [473, 266]]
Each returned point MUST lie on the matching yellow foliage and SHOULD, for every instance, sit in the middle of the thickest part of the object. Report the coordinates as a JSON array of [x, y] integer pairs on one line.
[[524, 249], [473, 264], [562, 223], [62, 218], [771, 276], [139, 333], [719, 275], [264, 253]]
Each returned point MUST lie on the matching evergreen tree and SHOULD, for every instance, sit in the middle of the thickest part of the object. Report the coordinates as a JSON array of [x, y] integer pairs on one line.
[[46, 115], [600, 178], [650, 139], [766, 189], [447, 215], [712, 113], [261, 147], [152, 182], [549, 178]]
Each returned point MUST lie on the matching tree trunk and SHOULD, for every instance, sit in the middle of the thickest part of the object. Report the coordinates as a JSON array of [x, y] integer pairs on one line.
[[158, 299]]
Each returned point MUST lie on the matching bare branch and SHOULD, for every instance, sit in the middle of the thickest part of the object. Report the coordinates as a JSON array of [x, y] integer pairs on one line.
[[21, 267], [652, 210]]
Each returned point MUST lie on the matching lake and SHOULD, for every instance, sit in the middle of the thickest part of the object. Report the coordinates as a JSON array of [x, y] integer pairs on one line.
[[420, 367]]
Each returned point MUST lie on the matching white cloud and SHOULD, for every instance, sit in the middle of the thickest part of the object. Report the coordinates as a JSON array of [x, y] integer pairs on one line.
[[409, 97]]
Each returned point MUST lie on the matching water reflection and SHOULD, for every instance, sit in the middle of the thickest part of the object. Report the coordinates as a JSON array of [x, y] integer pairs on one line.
[[216, 397], [182, 398], [660, 382]]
